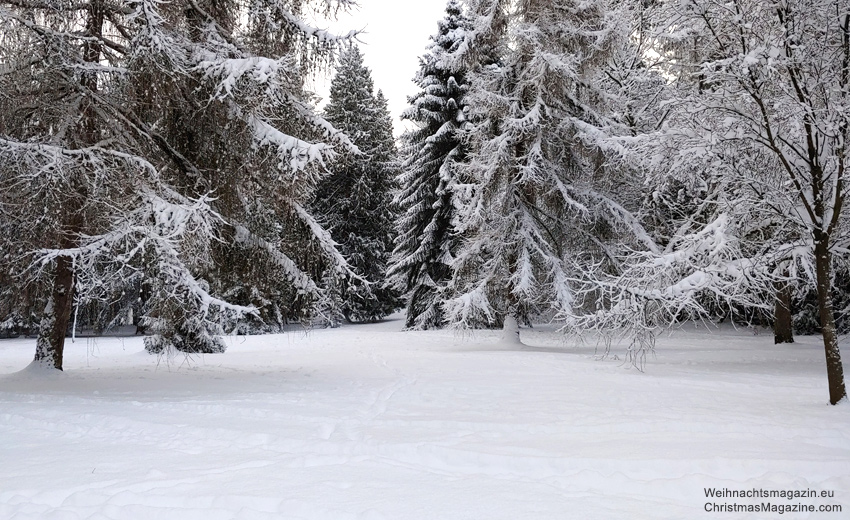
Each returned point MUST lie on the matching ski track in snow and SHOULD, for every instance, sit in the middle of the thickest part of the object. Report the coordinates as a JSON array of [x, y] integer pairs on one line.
[[366, 422]]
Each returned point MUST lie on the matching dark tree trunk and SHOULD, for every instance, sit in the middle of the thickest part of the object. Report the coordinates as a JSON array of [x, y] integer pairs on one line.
[[834, 369], [50, 346], [782, 316]]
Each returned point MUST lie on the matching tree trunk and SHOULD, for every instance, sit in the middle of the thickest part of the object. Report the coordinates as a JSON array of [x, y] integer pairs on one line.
[[510, 330], [834, 369], [782, 316], [50, 346]]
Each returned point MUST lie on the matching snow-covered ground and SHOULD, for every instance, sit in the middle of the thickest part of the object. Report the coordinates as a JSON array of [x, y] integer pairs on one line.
[[367, 422]]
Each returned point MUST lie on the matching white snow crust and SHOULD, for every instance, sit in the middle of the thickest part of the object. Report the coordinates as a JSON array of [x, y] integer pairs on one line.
[[368, 422]]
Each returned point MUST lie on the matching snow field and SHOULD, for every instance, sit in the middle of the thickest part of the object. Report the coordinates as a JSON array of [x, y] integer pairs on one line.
[[367, 422]]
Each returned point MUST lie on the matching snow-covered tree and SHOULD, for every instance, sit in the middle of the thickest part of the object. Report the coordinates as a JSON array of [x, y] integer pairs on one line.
[[145, 134], [432, 151], [761, 112], [778, 79], [355, 201], [699, 272], [537, 192]]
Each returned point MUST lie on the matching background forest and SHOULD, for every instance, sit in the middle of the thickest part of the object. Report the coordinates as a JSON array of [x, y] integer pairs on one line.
[[615, 167]]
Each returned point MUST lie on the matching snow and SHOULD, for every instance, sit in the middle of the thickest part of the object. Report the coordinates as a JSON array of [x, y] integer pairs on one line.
[[228, 72], [299, 279], [297, 152], [368, 422]]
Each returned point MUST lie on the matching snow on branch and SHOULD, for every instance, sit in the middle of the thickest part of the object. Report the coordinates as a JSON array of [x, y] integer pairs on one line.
[[158, 236], [228, 72], [308, 114], [38, 162], [654, 290], [302, 282], [470, 309], [280, 18], [152, 38], [487, 24], [321, 36], [621, 214], [327, 243], [292, 152]]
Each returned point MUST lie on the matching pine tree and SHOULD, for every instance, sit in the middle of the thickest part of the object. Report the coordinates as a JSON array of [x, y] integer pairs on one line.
[[355, 201], [147, 136], [432, 152]]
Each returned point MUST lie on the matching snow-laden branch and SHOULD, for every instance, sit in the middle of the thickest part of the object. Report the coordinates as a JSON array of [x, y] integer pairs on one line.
[[226, 73], [293, 153], [321, 36], [655, 289], [157, 237], [153, 37], [326, 242], [300, 280]]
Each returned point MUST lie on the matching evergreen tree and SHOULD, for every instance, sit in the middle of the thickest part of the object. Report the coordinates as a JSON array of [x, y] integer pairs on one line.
[[148, 136], [432, 152], [355, 201], [539, 192]]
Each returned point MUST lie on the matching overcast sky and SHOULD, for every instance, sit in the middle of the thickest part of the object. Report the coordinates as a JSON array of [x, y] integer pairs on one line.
[[396, 34]]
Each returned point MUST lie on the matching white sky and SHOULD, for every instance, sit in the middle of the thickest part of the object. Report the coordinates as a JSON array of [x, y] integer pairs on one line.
[[395, 35]]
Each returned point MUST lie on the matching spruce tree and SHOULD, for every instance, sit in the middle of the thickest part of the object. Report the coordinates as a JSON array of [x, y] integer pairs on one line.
[[538, 197], [355, 201], [432, 152], [146, 137]]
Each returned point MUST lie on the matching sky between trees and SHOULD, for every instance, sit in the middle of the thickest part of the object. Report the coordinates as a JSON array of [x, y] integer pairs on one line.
[[390, 49]]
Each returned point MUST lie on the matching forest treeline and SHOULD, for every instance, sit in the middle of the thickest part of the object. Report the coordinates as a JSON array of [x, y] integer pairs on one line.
[[617, 166]]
